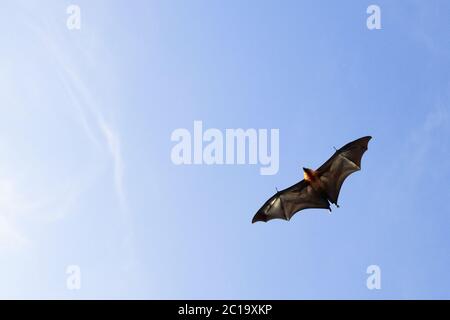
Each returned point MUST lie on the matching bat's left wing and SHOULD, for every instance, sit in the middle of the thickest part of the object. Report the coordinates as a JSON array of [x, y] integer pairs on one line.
[[344, 162], [284, 204]]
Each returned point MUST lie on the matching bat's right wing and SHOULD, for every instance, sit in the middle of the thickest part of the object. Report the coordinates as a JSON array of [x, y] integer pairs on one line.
[[284, 204], [344, 162]]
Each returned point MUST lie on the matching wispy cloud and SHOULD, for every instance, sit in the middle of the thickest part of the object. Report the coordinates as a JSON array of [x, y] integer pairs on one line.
[[113, 142], [54, 203], [10, 236], [93, 121], [426, 142], [10, 205]]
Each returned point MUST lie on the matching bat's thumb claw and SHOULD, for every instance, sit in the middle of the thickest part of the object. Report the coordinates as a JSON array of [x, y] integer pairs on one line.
[[259, 217]]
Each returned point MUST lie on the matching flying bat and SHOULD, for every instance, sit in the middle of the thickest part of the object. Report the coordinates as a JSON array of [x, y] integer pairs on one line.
[[319, 187]]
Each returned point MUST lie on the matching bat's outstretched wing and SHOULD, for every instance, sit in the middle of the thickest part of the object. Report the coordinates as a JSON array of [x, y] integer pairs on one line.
[[344, 162], [284, 204]]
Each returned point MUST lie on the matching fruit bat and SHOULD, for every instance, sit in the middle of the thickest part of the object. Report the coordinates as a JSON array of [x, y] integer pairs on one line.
[[319, 187]]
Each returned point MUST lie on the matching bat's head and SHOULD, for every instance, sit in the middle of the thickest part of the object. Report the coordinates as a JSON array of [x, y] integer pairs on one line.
[[308, 174]]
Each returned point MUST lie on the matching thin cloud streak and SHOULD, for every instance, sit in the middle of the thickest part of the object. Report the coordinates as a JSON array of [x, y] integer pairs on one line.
[[15, 205], [113, 143], [90, 115]]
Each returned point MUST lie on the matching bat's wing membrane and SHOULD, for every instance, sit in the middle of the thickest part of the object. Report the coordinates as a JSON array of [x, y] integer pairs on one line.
[[284, 204], [344, 162]]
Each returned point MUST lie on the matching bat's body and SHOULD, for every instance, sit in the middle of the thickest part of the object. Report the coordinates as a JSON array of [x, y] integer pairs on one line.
[[312, 177], [319, 188]]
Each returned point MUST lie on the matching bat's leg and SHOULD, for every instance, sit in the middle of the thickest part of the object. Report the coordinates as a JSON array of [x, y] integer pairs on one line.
[[337, 206]]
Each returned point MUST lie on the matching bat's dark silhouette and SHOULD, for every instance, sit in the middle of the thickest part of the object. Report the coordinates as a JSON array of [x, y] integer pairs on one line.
[[319, 187]]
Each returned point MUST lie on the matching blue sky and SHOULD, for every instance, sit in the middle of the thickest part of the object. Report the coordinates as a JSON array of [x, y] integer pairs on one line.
[[86, 177]]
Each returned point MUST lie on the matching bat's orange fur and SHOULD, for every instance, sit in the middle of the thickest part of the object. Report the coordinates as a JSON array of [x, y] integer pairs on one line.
[[313, 178]]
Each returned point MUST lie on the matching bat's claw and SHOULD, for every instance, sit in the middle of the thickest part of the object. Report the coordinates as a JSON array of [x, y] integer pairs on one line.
[[259, 217]]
